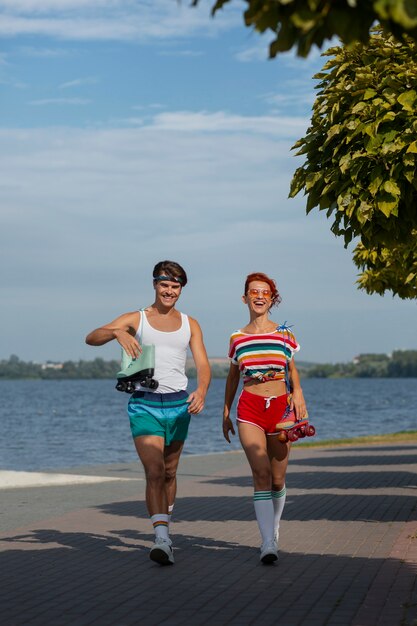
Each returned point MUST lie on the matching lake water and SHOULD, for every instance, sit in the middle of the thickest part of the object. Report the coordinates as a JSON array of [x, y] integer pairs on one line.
[[52, 424]]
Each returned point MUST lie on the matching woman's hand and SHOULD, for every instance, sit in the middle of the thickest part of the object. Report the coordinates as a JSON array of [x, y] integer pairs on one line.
[[298, 404], [228, 428]]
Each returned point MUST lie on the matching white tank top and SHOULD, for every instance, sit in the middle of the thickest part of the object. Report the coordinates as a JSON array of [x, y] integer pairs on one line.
[[170, 354]]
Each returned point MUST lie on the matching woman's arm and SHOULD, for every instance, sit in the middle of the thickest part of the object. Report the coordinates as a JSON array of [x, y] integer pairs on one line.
[[232, 383], [298, 402]]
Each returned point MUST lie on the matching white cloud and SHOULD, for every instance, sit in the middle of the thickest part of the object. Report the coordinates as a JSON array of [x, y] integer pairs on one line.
[[86, 213], [34, 51], [203, 121], [296, 97], [42, 6], [111, 20], [142, 107], [259, 52], [181, 53], [78, 82], [128, 121], [10, 82], [70, 101]]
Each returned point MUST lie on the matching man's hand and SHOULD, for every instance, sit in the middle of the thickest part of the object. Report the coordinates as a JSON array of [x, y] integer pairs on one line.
[[196, 402], [129, 344]]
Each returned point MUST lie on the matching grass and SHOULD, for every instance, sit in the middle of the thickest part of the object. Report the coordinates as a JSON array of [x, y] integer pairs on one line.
[[404, 436]]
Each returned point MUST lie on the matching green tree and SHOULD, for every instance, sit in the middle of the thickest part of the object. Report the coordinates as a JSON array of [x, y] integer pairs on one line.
[[403, 364], [361, 158], [303, 23]]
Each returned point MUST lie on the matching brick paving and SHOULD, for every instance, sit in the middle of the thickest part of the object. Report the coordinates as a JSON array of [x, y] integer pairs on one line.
[[78, 554]]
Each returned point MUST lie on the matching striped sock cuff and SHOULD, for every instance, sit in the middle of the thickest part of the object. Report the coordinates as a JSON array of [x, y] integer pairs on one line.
[[160, 523], [279, 494], [262, 495], [160, 520]]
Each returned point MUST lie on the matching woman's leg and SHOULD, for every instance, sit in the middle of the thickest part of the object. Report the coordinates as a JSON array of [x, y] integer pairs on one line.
[[254, 443], [278, 454]]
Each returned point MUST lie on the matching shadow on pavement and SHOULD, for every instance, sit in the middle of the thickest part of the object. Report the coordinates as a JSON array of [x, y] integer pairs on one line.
[[331, 480], [358, 459], [71, 578], [304, 507]]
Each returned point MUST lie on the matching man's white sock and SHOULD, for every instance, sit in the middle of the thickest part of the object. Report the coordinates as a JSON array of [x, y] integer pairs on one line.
[[170, 509], [160, 525]]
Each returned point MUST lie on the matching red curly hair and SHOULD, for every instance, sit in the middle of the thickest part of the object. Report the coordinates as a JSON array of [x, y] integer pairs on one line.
[[275, 297]]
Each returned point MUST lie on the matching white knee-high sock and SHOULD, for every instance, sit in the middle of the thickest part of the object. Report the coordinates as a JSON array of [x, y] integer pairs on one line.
[[278, 500], [160, 525], [170, 510], [264, 512]]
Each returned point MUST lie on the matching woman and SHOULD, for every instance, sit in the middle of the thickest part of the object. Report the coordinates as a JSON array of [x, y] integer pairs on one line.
[[262, 351]]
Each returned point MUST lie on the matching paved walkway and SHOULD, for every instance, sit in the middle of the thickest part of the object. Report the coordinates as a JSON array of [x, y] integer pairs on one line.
[[76, 552]]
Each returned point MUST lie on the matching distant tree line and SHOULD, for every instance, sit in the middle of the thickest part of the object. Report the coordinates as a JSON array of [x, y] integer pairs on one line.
[[401, 364], [99, 368]]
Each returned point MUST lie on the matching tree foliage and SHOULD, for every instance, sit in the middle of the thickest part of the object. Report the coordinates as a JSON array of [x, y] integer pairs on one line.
[[401, 364], [361, 158], [304, 23], [15, 368]]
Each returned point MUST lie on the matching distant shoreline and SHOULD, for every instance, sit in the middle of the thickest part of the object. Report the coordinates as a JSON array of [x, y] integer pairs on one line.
[[400, 364]]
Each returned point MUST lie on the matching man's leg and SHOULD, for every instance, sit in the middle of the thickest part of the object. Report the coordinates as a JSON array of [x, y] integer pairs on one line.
[[172, 455], [151, 452], [175, 435], [150, 449]]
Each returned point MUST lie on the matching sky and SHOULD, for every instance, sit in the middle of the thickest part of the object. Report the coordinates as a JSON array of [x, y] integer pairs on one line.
[[136, 131]]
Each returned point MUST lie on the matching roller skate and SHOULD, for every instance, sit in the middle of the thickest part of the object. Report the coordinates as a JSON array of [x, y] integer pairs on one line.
[[291, 429], [137, 371]]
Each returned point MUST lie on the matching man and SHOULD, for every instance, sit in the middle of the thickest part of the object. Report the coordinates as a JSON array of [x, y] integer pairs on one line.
[[159, 418]]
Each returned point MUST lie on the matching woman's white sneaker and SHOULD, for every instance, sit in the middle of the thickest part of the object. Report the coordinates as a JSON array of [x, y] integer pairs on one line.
[[276, 538], [269, 552], [162, 552]]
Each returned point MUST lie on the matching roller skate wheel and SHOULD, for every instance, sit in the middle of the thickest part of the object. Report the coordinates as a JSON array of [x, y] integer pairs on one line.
[[311, 431], [282, 436]]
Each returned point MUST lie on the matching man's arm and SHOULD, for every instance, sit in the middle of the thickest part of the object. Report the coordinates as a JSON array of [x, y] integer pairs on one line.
[[123, 329], [198, 350]]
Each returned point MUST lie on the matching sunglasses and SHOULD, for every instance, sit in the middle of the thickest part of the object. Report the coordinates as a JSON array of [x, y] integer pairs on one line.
[[254, 293]]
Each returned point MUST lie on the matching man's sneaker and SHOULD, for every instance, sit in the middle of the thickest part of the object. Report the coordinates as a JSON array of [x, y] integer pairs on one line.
[[162, 552], [269, 552]]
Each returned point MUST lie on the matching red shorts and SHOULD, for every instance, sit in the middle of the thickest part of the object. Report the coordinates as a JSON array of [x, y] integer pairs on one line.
[[262, 412]]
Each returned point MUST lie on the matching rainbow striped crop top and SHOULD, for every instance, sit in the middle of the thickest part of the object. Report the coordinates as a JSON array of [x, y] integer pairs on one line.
[[263, 357]]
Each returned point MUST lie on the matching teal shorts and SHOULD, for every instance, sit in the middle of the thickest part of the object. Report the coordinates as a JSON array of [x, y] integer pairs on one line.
[[162, 414]]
